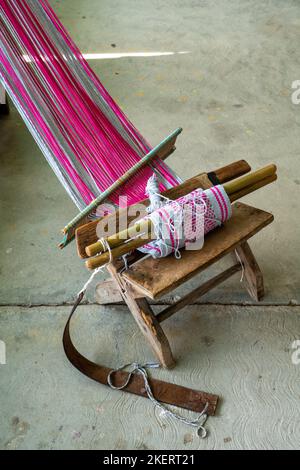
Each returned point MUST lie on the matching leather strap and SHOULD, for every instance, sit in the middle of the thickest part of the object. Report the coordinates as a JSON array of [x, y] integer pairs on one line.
[[163, 391]]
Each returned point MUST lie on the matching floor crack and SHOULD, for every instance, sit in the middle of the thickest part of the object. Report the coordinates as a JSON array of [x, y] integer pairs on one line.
[[160, 304]]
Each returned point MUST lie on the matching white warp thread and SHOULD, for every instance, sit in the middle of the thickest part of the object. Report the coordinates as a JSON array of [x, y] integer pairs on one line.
[[153, 192]]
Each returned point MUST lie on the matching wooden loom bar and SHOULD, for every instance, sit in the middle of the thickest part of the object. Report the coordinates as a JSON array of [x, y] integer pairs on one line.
[[86, 235]]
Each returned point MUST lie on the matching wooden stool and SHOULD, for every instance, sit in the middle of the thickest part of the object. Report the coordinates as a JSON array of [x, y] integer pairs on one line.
[[152, 278]]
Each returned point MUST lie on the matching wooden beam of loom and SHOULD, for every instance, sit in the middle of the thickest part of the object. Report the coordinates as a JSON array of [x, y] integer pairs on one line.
[[87, 234]]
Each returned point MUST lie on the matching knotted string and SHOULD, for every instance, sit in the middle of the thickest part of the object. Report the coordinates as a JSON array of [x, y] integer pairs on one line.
[[198, 423], [142, 369], [106, 246], [153, 192]]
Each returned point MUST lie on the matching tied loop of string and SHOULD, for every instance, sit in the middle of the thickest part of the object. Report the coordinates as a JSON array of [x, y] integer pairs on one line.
[[106, 246], [141, 369], [198, 423]]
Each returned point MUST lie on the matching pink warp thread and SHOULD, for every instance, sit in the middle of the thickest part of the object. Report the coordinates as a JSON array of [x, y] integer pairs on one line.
[[85, 136]]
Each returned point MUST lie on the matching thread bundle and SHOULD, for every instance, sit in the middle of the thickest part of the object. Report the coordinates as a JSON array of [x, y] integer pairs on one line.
[[185, 221]]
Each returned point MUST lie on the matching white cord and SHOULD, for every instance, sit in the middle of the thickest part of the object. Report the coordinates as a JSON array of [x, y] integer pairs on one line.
[[141, 369]]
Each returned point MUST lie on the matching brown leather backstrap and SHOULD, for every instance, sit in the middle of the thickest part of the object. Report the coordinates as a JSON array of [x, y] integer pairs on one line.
[[163, 391]]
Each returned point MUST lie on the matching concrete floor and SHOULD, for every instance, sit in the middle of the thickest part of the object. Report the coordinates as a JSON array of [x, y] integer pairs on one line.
[[231, 93]]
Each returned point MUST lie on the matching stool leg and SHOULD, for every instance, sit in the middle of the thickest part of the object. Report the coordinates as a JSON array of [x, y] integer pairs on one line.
[[146, 321], [151, 329], [253, 277]]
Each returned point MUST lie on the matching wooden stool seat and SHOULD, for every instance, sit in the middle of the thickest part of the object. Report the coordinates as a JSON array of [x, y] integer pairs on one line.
[[152, 278], [156, 277]]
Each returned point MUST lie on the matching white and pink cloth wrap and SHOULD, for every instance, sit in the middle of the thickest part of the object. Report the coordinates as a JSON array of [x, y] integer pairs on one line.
[[185, 221]]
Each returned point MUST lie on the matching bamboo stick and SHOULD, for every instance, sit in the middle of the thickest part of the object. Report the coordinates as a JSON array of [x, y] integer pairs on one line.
[[69, 229], [120, 250], [241, 187], [249, 189], [120, 237], [249, 179]]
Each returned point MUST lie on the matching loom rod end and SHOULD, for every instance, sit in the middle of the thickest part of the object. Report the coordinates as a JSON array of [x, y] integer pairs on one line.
[[65, 241]]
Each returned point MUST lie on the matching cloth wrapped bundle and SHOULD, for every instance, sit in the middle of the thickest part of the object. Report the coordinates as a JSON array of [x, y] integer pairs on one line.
[[185, 221]]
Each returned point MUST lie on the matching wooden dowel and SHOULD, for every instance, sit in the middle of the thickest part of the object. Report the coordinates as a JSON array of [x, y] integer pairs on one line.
[[120, 250], [231, 171], [124, 248]]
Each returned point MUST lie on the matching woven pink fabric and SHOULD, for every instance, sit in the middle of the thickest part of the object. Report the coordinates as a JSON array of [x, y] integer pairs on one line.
[[184, 222]]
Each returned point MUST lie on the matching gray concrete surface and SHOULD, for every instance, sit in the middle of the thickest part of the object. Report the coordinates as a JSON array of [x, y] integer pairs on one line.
[[231, 92], [242, 353]]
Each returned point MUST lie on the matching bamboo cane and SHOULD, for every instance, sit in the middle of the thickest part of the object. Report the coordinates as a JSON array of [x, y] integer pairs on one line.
[[249, 179], [249, 189], [119, 238]]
